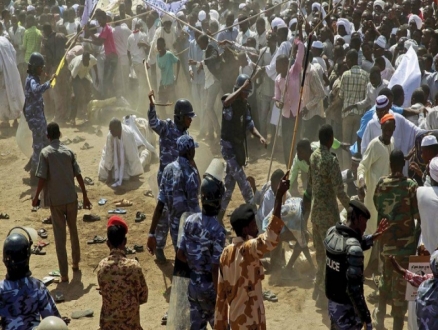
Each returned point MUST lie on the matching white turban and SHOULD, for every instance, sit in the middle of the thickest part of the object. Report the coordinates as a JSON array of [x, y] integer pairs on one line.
[[292, 21], [276, 22], [379, 3], [202, 15], [320, 9], [381, 42], [433, 169], [345, 23], [214, 14], [417, 21]]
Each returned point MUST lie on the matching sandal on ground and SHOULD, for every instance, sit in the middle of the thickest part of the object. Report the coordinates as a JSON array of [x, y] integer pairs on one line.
[[88, 181], [59, 297], [47, 221], [42, 244], [138, 248], [164, 319], [66, 142], [269, 296], [97, 240], [55, 273], [148, 193], [102, 201], [37, 250], [85, 313], [42, 233], [78, 139], [117, 211], [90, 218], [139, 217], [4, 216], [123, 203], [86, 146], [129, 251]]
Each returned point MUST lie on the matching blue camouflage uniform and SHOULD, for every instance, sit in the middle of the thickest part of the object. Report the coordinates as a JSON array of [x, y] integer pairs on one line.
[[179, 188], [34, 114], [202, 242], [236, 121], [427, 298], [168, 133], [23, 303]]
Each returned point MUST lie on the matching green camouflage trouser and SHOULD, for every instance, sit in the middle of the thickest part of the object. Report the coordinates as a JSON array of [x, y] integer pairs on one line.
[[319, 233]]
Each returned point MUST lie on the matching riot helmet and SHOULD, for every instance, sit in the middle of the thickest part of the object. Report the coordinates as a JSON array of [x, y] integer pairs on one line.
[[16, 255], [241, 78], [52, 323], [183, 108], [212, 191], [36, 60]]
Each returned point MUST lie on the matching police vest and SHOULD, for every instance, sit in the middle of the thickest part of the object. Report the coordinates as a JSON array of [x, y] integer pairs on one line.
[[336, 246], [234, 130]]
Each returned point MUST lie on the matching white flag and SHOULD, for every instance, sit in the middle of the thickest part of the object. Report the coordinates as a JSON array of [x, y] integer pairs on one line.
[[174, 7], [88, 9], [408, 75]]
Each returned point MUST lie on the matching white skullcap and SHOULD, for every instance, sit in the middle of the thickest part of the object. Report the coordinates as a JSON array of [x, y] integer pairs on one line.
[[381, 102], [433, 169], [317, 44], [75, 7], [417, 21], [381, 42], [379, 3], [276, 22], [183, 7], [214, 14], [30, 8], [242, 5], [411, 42], [166, 18], [325, 4], [202, 15], [429, 140], [292, 21], [179, 14]]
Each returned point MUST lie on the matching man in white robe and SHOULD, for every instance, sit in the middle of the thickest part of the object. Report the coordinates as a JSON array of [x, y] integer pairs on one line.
[[123, 153], [374, 165], [11, 90], [404, 134]]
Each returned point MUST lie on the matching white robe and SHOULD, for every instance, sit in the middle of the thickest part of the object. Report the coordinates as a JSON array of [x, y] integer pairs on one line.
[[11, 90], [404, 134], [130, 165], [374, 165]]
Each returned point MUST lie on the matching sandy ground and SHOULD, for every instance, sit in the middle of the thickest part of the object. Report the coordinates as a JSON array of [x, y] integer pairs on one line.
[[294, 310]]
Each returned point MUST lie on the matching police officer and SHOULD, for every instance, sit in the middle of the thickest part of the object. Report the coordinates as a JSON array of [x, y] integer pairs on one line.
[[24, 300], [34, 108], [179, 190], [201, 246], [344, 246], [169, 131], [236, 120]]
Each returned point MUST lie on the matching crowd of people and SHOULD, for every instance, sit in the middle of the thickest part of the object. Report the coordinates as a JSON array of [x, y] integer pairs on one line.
[[352, 83]]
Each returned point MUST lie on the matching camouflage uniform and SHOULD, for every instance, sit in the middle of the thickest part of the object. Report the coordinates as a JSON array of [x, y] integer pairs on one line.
[[234, 170], [24, 302], [325, 181], [123, 289], [34, 114], [395, 199], [168, 133], [239, 303], [344, 317], [179, 192], [202, 243]]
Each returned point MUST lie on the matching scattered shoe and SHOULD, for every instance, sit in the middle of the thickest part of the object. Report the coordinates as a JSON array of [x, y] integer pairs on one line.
[[42, 233], [4, 216], [164, 319], [47, 221], [123, 203], [138, 248], [88, 181], [86, 146], [129, 251], [90, 218], [79, 314], [66, 142], [55, 273], [269, 296], [117, 211], [59, 297], [139, 217], [148, 193], [102, 201], [78, 139], [80, 205], [97, 240], [37, 250]]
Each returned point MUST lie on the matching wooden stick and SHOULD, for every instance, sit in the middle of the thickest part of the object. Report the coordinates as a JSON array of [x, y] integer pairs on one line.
[[299, 105], [150, 87]]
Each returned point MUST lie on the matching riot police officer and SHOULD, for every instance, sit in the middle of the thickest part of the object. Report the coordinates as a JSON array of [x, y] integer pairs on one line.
[[344, 246], [24, 299], [236, 120], [201, 246], [169, 131]]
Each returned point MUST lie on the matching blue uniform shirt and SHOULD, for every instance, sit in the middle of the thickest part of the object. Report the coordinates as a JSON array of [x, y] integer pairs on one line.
[[33, 92], [168, 133], [23, 303], [202, 242]]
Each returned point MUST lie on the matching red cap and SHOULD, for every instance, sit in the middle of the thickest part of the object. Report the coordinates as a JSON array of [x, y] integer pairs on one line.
[[116, 220]]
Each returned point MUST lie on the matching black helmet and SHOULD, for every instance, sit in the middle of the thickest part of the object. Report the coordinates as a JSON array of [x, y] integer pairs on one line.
[[183, 107], [212, 191], [16, 253], [241, 78], [36, 60]]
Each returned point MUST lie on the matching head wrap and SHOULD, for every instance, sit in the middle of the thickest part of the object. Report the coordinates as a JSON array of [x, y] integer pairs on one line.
[[345, 23], [185, 143], [30, 8], [381, 42], [276, 22], [386, 117], [179, 14], [317, 44], [417, 21], [242, 5], [379, 3], [319, 8], [202, 15], [433, 169], [115, 220], [411, 42], [292, 21], [214, 14], [429, 140], [381, 102]]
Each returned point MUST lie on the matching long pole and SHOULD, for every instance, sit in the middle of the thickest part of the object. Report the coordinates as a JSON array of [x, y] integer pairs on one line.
[[150, 87], [294, 136]]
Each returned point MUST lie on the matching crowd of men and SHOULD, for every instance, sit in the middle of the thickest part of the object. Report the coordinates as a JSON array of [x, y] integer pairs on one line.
[[365, 138]]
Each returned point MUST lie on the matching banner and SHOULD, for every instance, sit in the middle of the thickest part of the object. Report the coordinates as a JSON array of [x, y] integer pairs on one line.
[[419, 265], [407, 75], [88, 9], [173, 7]]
